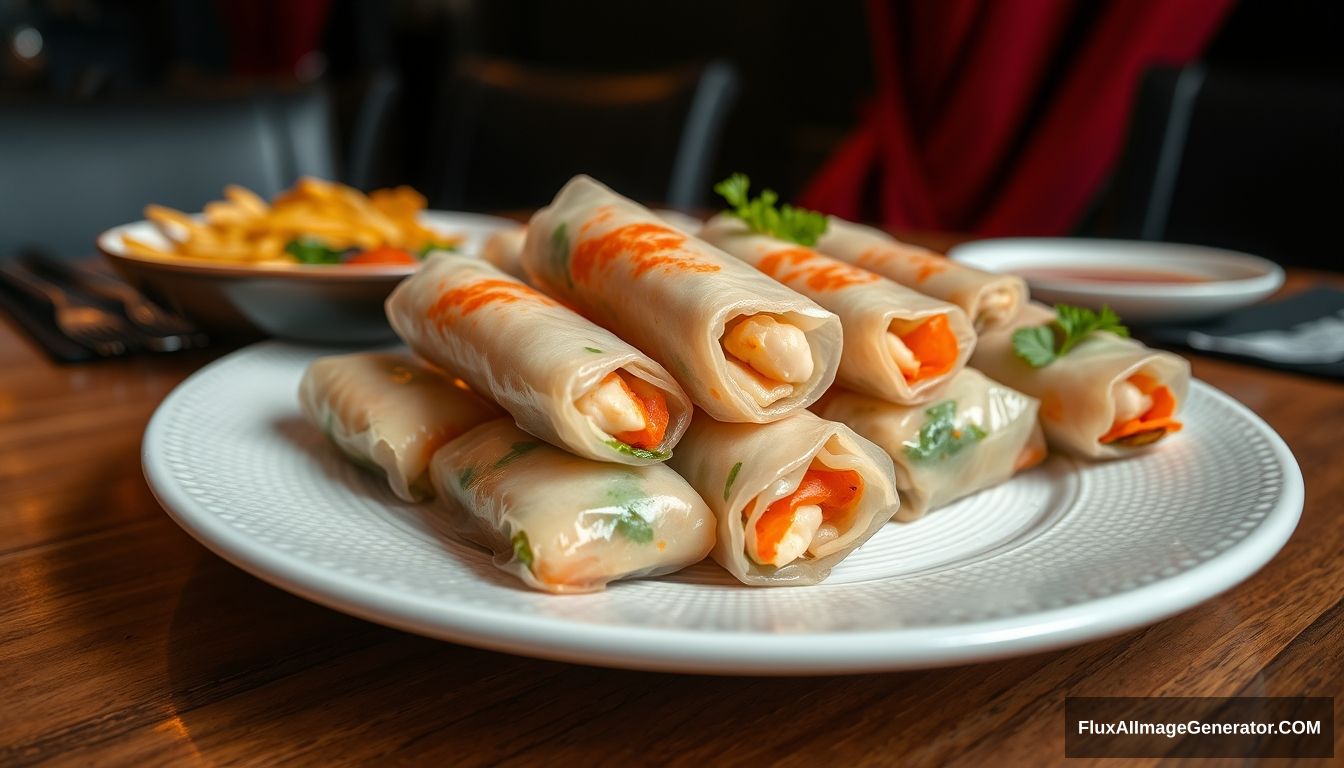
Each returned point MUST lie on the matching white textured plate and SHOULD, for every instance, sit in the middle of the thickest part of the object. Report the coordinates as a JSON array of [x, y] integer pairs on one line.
[[1065, 553], [1228, 280]]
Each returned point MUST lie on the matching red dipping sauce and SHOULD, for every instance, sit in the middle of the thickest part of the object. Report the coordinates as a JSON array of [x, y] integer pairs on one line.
[[1109, 275]]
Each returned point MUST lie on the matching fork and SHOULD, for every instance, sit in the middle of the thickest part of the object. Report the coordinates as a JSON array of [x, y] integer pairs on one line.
[[103, 332], [167, 332]]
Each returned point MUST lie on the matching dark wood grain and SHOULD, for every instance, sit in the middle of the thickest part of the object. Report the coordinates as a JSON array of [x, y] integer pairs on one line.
[[122, 641]]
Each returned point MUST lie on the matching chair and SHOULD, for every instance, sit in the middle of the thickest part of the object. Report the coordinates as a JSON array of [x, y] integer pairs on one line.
[[74, 169], [512, 135], [1249, 162]]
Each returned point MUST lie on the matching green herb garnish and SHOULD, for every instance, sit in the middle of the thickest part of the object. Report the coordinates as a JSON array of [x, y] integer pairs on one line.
[[732, 475], [633, 526], [522, 550], [1040, 345], [630, 450], [465, 477], [594, 350], [515, 450], [940, 437], [797, 225], [308, 251], [560, 253], [427, 247]]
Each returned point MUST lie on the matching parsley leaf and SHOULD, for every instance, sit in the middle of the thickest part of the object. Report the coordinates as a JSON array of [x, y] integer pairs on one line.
[[309, 251], [1041, 345], [797, 225], [940, 437]]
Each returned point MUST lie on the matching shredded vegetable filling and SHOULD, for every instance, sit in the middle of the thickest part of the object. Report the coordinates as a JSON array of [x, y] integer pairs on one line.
[[1144, 410], [766, 357], [923, 351], [627, 408], [813, 515]]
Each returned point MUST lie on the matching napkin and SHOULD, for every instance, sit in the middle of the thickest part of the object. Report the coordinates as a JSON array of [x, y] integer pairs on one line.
[[1304, 332]]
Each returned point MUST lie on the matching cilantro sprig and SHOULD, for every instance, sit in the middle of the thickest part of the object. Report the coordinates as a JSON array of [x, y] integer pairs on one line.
[[940, 437], [797, 225], [1041, 345]]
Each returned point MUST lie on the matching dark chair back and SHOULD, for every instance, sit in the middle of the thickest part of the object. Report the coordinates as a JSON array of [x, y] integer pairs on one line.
[[511, 135], [72, 170], [1249, 162]]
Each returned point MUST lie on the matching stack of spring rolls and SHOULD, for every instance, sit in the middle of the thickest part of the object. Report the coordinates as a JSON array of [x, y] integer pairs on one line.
[[606, 396]]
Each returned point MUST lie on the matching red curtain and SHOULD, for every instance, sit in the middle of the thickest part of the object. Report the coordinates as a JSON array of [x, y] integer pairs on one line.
[[271, 37], [1000, 117]]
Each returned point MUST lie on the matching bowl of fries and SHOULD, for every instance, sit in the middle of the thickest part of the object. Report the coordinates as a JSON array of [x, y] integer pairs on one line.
[[314, 264]]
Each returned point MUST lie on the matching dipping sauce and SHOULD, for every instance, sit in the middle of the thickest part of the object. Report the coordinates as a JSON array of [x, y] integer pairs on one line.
[[1109, 275]]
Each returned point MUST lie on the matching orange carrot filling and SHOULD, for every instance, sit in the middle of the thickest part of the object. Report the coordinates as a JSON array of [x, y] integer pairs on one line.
[[1158, 418], [836, 492], [652, 405], [934, 345]]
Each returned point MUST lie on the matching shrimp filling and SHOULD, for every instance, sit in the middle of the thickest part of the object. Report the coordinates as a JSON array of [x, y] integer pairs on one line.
[[627, 408], [766, 357], [1144, 410], [815, 514], [924, 350]]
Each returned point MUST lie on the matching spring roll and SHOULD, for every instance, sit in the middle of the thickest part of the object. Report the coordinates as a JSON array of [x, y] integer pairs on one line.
[[389, 413], [899, 344], [745, 348], [792, 497], [990, 299], [976, 434], [564, 379], [504, 250], [562, 523], [1107, 398]]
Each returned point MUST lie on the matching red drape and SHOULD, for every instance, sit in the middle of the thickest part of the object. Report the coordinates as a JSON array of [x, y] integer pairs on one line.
[[270, 37], [1001, 117]]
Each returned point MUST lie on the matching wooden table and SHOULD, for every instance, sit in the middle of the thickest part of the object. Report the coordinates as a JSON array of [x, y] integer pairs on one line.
[[123, 641]]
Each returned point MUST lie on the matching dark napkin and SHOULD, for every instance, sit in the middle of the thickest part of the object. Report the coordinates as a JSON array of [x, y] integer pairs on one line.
[[1304, 332]]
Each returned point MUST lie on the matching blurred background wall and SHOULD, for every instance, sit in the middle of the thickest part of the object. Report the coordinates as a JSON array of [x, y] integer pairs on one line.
[[435, 92]]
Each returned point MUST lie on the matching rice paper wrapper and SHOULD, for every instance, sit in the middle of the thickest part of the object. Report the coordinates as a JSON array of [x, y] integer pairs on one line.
[[530, 354], [562, 523], [931, 473], [991, 300], [865, 302], [389, 413], [1077, 405], [670, 295], [504, 251], [732, 465]]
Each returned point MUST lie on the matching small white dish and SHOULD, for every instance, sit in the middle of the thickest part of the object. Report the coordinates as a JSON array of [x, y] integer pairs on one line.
[[1066, 553], [1144, 282]]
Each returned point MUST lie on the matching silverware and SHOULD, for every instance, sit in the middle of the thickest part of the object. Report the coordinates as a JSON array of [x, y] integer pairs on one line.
[[166, 331], [100, 331]]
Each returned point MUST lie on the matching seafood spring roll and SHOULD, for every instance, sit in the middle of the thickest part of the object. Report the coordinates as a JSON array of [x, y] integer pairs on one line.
[[745, 347], [562, 523], [1106, 397], [389, 413], [564, 379], [990, 299], [792, 497], [504, 250], [976, 434], [900, 345]]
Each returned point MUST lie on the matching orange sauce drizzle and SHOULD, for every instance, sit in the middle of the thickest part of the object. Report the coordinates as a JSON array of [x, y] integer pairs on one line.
[[465, 299], [646, 246], [818, 272]]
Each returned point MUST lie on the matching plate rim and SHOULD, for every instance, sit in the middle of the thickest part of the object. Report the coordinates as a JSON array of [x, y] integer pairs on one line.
[[733, 652], [1270, 279]]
